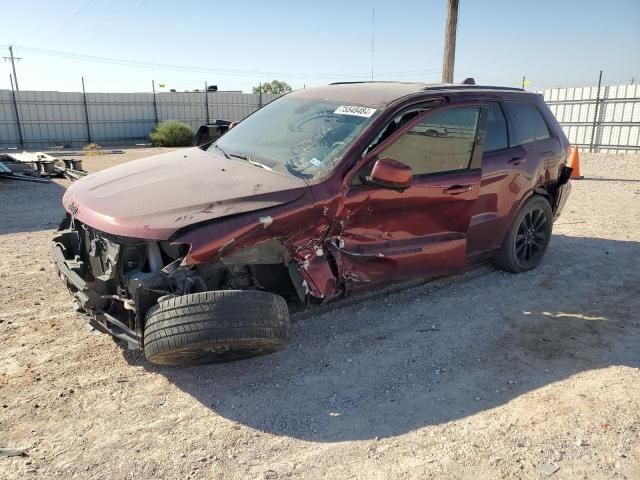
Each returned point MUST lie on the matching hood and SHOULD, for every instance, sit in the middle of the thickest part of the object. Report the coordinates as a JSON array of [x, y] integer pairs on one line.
[[154, 197]]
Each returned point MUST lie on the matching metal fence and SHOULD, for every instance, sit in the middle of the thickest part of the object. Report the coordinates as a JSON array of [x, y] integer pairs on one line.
[[47, 119], [599, 118]]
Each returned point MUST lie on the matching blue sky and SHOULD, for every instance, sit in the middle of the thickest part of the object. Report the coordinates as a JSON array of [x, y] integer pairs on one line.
[[237, 44]]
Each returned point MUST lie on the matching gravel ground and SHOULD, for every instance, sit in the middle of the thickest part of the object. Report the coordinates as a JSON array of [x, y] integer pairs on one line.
[[489, 375]]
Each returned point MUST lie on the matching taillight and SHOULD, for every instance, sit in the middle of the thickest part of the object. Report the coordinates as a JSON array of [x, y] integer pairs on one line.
[[567, 153]]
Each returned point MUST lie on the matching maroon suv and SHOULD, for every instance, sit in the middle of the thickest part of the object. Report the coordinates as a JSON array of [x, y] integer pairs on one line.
[[198, 255]]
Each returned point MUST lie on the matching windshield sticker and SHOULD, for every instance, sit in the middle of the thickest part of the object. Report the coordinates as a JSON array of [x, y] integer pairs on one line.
[[315, 162], [353, 110]]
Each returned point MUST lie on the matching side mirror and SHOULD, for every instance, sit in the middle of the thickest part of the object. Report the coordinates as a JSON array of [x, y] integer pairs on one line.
[[391, 174]]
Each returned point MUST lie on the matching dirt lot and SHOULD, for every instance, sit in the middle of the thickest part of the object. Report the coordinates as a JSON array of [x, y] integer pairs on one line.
[[490, 375]]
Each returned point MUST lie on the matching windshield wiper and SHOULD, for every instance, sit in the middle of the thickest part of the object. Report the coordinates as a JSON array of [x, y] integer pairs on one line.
[[223, 152], [252, 162]]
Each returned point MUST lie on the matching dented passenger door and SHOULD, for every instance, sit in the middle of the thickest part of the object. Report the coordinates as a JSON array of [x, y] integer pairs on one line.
[[385, 234]]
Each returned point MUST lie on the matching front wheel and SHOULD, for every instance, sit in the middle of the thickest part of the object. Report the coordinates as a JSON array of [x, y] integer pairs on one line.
[[217, 326], [528, 239]]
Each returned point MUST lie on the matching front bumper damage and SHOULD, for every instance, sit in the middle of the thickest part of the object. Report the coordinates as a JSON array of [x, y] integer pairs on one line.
[[88, 301], [106, 278]]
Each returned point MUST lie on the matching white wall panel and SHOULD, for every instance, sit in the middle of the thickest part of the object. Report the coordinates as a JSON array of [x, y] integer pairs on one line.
[[58, 118], [617, 122]]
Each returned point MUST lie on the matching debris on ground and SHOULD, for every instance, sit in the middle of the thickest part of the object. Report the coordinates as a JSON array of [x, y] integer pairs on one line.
[[39, 167], [99, 151], [12, 452], [549, 468], [6, 172]]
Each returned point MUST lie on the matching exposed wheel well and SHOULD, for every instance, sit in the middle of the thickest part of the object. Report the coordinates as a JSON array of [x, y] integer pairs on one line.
[[265, 266]]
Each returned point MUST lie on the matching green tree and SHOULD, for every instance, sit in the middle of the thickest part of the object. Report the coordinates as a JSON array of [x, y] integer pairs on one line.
[[276, 86]]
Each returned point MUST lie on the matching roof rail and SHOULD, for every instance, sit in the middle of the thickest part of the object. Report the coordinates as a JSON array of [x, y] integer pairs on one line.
[[438, 86], [370, 81], [471, 87]]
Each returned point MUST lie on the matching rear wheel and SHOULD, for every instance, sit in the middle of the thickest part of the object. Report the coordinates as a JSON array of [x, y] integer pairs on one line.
[[212, 327], [528, 239]]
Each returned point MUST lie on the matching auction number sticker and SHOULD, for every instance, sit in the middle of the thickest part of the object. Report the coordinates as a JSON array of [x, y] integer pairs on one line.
[[354, 110]]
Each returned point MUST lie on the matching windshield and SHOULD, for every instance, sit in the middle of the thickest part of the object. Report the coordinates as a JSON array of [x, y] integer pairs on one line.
[[304, 137]]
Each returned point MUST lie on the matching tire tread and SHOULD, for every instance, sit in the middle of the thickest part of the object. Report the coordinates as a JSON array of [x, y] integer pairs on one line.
[[216, 319]]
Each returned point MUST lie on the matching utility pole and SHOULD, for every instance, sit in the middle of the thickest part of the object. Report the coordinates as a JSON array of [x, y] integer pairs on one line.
[[86, 112], [13, 65], [15, 106], [155, 102], [373, 18], [206, 101], [449, 56], [595, 113]]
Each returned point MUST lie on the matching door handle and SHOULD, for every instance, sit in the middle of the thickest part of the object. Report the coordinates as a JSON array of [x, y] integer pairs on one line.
[[517, 160], [457, 189]]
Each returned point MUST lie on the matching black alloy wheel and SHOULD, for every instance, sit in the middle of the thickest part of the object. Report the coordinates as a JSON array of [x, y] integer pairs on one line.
[[528, 238]]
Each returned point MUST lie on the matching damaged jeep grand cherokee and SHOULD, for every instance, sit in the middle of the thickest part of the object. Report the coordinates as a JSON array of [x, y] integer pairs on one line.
[[197, 256]]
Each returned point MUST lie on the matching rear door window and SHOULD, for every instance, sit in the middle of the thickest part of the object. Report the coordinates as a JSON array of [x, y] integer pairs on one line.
[[441, 142], [496, 138], [527, 122]]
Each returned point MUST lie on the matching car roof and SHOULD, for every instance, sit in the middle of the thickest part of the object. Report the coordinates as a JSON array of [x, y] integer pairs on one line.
[[380, 94]]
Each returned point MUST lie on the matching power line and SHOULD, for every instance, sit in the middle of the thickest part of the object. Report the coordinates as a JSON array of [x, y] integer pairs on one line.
[[69, 18], [222, 71]]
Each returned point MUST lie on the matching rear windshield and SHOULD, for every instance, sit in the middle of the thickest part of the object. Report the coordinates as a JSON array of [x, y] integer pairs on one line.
[[300, 136]]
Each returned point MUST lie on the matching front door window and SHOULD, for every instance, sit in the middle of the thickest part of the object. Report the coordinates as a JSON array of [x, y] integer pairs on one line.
[[441, 142]]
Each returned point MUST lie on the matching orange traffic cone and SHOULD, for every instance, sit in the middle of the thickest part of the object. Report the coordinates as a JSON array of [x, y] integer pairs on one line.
[[574, 164]]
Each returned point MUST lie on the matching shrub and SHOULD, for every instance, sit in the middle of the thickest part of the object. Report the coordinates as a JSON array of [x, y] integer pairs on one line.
[[92, 149], [172, 134]]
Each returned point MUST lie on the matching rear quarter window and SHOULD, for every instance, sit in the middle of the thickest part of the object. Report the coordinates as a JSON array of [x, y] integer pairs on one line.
[[496, 137], [527, 123]]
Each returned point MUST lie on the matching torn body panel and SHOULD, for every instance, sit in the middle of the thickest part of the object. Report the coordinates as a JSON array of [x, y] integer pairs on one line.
[[293, 233], [384, 235]]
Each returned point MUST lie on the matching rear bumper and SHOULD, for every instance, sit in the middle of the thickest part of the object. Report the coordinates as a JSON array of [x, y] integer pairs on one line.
[[562, 192]]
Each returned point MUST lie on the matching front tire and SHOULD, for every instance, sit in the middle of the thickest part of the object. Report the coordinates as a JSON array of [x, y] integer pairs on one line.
[[213, 327], [528, 238]]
